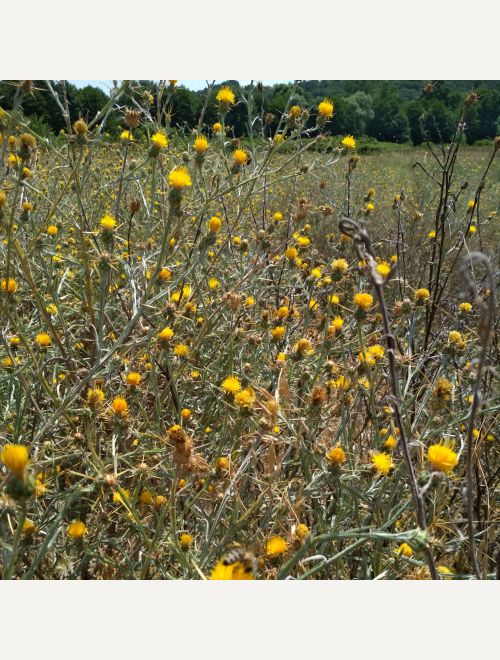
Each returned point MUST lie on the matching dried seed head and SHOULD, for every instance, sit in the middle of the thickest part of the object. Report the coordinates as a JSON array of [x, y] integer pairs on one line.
[[132, 118]]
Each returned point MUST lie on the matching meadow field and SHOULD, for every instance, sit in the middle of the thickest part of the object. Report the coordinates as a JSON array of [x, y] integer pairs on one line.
[[259, 358]]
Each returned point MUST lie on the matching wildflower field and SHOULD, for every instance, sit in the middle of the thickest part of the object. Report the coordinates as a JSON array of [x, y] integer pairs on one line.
[[269, 357]]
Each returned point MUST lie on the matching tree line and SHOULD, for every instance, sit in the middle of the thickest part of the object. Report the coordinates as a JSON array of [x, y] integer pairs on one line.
[[390, 111]]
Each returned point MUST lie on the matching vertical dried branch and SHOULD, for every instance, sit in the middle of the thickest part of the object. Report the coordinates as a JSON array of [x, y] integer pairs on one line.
[[364, 249], [486, 308]]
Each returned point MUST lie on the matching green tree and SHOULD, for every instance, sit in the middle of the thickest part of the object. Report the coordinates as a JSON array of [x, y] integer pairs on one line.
[[389, 122]]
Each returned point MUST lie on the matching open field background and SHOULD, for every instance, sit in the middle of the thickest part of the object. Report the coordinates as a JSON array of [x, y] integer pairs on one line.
[[197, 353]]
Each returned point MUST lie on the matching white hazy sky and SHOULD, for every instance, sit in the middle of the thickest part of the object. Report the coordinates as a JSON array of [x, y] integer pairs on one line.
[[190, 84]]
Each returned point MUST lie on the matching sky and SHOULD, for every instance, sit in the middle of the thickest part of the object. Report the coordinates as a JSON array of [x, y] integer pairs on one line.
[[190, 84]]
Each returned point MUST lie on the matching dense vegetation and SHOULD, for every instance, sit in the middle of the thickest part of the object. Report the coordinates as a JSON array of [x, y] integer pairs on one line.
[[392, 111], [245, 359]]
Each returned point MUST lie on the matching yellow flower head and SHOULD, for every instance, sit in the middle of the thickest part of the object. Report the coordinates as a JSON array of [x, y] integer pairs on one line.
[[119, 407], [201, 144], [43, 339], [295, 111], [95, 396], [422, 295], [225, 96], [404, 549], [325, 109], [165, 274], [240, 156], [222, 463], [77, 529], [159, 140], [302, 531], [133, 378], [214, 224], [445, 573], [217, 127], [349, 142], [383, 268], [455, 337], [11, 286], [245, 398], [336, 455], [185, 540], [303, 347], [276, 546], [166, 334], [278, 333], [442, 457], [382, 463], [340, 266], [363, 301], [179, 178], [126, 136], [181, 350], [15, 458], [108, 223]]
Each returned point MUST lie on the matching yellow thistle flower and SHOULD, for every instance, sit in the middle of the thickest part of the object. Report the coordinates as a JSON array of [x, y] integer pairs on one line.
[[119, 407], [382, 463], [11, 287], [302, 531], [179, 178], [126, 136], [278, 333], [245, 399], [166, 334], [363, 301], [240, 156], [336, 455], [276, 546], [180, 350], [340, 266], [165, 274], [108, 223], [422, 295], [214, 224], [226, 96], [303, 347], [404, 549], [133, 379], [77, 529], [349, 142], [95, 396], [159, 140], [200, 144], [325, 108], [442, 458], [15, 458], [185, 540], [43, 339], [383, 268]]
